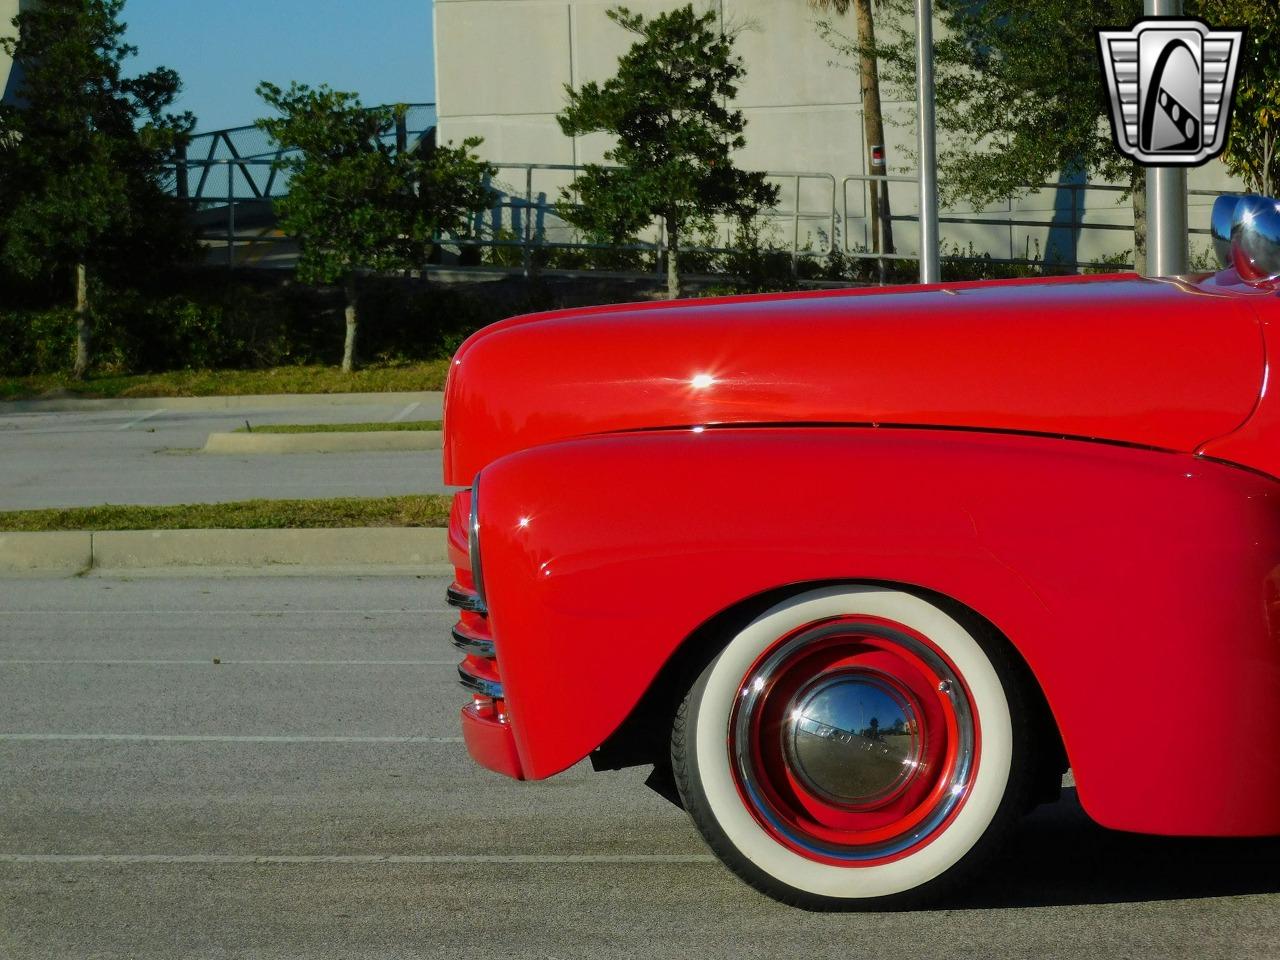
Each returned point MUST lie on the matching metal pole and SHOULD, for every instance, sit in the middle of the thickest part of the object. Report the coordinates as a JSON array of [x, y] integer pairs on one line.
[[183, 185], [526, 233], [1166, 195], [231, 216], [930, 269], [795, 228]]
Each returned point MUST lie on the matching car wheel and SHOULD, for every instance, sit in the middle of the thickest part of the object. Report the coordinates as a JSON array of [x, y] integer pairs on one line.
[[854, 747]]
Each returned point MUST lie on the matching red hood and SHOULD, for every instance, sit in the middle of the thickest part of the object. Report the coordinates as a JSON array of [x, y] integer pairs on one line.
[[1160, 363]]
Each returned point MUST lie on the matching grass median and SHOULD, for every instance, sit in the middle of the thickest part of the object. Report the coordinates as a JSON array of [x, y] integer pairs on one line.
[[341, 427], [425, 510], [375, 378]]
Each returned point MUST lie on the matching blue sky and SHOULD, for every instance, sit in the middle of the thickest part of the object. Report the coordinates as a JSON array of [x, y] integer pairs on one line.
[[380, 49]]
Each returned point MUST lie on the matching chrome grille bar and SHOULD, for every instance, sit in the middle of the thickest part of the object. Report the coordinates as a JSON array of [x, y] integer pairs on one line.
[[480, 685], [465, 599], [473, 646]]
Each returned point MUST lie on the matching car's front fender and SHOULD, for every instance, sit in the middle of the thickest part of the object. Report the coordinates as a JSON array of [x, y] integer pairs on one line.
[[1139, 586]]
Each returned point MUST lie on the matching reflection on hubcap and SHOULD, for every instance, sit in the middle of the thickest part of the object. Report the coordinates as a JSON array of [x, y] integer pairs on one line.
[[852, 738]]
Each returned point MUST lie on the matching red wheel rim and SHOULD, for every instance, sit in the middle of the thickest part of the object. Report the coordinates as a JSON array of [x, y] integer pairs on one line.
[[854, 740]]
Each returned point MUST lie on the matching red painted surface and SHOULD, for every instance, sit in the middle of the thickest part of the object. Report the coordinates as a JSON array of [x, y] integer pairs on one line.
[[1257, 442], [1140, 586], [1153, 362], [489, 742]]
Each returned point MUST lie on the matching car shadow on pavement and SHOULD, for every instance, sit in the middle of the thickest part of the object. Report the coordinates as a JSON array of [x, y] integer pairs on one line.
[[1058, 856]]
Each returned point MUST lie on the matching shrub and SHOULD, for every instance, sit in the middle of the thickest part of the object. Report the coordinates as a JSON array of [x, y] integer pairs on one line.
[[207, 320]]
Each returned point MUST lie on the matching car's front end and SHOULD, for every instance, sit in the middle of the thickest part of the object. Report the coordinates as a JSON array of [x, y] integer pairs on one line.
[[486, 727]]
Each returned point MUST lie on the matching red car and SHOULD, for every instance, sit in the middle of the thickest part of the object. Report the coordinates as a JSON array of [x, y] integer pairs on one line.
[[863, 573]]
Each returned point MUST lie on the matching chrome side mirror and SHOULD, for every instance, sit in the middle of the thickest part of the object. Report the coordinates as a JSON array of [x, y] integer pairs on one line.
[[1224, 215], [1255, 238]]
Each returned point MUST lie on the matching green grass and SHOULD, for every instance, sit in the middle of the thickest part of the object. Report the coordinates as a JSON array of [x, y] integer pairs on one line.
[[342, 427], [376, 378], [428, 510]]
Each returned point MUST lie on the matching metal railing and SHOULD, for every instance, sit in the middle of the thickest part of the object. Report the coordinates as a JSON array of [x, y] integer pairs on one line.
[[1076, 223], [525, 218], [530, 206], [217, 216], [246, 156]]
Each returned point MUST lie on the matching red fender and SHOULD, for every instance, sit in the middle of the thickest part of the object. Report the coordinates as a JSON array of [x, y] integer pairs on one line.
[[1140, 586]]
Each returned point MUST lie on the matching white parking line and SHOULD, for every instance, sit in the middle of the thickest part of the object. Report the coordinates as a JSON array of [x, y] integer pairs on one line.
[[145, 416], [199, 739], [210, 662], [404, 414], [227, 859]]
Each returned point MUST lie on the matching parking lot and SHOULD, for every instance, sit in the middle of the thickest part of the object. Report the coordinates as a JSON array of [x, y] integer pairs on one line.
[[77, 459], [269, 767]]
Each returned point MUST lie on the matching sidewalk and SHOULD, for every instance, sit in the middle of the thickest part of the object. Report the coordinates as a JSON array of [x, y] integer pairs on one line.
[[420, 550], [430, 400], [147, 451]]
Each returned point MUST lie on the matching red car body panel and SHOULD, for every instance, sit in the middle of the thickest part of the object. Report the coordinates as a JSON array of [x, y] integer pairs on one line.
[[1157, 363], [1257, 442], [1139, 580], [1141, 587]]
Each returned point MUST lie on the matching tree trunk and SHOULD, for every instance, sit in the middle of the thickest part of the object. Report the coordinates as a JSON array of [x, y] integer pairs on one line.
[[674, 290], [353, 321], [83, 331], [1139, 194], [873, 126]]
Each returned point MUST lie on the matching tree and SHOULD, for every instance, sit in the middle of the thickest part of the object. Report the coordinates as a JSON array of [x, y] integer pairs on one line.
[[1254, 142], [356, 203], [872, 114], [675, 135], [84, 153], [1019, 91]]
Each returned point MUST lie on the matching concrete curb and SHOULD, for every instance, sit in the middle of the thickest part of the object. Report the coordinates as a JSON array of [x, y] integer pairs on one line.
[[79, 552], [431, 401], [70, 552], [371, 441]]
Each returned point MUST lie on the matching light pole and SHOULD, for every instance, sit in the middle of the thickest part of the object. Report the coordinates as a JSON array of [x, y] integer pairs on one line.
[[1166, 195], [930, 269]]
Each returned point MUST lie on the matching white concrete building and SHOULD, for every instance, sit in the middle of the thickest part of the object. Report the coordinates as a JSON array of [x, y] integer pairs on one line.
[[8, 78], [502, 66]]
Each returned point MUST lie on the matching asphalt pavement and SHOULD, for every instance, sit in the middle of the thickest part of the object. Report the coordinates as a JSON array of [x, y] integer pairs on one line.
[[152, 457], [270, 768]]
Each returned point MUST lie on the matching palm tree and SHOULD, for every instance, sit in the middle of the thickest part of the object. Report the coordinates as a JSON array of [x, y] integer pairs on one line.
[[872, 117]]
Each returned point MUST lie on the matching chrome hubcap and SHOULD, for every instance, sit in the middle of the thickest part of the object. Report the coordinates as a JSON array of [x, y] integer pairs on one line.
[[853, 738]]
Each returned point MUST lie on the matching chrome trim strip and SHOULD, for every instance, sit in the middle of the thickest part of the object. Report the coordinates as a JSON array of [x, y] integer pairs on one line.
[[473, 542], [465, 600], [473, 646], [479, 685]]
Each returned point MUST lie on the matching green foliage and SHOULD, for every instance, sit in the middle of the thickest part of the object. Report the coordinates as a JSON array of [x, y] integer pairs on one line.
[[379, 426], [295, 378], [1019, 90], [1254, 142], [82, 159], [355, 202], [667, 108], [757, 261], [415, 510], [210, 320]]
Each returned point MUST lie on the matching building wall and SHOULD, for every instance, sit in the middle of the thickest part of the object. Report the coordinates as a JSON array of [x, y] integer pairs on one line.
[[502, 66], [8, 81]]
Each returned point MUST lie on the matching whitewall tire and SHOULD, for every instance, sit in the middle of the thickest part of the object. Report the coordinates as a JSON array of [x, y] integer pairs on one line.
[[854, 747]]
